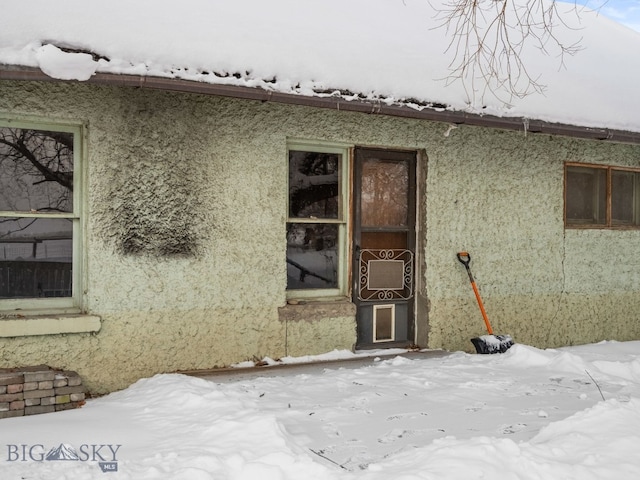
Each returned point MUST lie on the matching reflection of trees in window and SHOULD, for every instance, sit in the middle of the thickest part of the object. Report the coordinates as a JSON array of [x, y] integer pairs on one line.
[[315, 220], [384, 193], [312, 252], [37, 170], [36, 213], [313, 184], [37, 174]]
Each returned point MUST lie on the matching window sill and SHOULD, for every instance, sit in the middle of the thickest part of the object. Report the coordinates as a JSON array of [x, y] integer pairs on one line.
[[49, 325], [305, 300], [591, 226]]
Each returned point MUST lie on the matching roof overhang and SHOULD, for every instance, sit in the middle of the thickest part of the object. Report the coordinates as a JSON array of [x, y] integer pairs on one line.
[[9, 72]]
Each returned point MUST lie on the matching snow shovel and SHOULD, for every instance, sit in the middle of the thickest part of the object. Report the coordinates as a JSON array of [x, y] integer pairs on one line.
[[486, 343]]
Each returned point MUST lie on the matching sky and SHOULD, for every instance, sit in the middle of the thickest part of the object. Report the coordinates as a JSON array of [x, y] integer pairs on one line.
[[528, 414], [626, 12]]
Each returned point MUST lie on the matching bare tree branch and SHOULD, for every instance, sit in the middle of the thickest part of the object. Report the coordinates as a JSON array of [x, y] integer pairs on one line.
[[18, 144], [490, 39], [11, 232]]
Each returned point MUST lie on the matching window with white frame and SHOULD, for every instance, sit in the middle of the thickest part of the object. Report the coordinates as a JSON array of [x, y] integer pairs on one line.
[[317, 221], [600, 196], [39, 215]]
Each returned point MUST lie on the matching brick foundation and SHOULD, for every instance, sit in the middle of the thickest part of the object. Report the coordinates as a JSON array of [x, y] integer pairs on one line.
[[41, 389]]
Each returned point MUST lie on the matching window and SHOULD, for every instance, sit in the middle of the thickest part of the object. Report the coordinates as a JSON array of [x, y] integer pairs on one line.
[[317, 221], [602, 197], [39, 216]]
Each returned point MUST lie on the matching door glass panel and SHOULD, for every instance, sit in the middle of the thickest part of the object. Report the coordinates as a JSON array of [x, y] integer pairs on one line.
[[385, 192]]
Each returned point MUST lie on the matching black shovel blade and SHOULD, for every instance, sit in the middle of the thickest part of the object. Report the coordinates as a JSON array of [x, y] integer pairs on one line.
[[492, 343]]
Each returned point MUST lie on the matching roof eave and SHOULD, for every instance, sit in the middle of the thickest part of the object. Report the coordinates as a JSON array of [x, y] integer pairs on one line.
[[10, 72]]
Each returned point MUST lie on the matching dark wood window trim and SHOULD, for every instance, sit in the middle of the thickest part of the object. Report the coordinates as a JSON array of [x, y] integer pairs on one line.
[[607, 223]]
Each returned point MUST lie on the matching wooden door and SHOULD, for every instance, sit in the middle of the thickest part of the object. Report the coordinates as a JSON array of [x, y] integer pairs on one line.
[[384, 247]]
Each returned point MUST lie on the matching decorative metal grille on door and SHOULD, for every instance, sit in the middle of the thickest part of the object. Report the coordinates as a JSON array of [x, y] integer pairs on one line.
[[385, 275]]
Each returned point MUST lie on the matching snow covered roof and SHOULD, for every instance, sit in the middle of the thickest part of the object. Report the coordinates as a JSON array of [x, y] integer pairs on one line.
[[389, 53]]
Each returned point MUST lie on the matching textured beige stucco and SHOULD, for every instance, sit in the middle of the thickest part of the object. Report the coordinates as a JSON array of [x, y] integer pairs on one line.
[[185, 233]]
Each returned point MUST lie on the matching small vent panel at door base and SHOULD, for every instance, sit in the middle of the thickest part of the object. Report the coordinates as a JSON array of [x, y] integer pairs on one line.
[[385, 275]]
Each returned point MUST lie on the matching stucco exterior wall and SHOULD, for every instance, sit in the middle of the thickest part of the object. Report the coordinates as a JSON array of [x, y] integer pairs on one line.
[[546, 285], [185, 234]]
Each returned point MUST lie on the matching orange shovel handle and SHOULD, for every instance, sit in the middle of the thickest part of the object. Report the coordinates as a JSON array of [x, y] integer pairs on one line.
[[482, 310], [465, 259]]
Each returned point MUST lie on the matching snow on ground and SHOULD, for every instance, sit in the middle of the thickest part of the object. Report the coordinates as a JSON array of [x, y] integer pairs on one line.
[[570, 413]]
